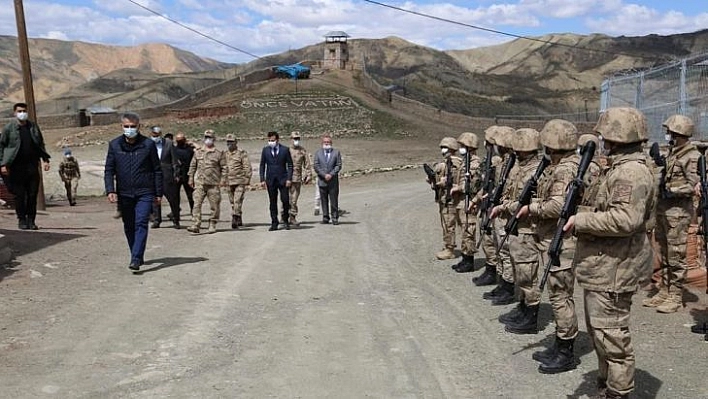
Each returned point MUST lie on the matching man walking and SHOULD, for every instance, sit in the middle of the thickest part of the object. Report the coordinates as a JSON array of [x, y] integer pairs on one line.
[[184, 153], [328, 164], [276, 174], [302, 173], [70, 174], [170, 176], [133, 178], [205, 173], [238, 177]]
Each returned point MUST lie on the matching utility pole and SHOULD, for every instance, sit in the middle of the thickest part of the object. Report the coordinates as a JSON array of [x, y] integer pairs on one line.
[[27, 83]]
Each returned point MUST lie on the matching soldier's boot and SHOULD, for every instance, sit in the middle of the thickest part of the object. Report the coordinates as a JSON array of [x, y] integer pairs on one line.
[[547, 354], [526, 324], [657, 299], [194, 228], [562, 361], [701, 328], [446, 253], [234, 222], [239, 221], [489, 295], [673, 303], [513, 315], [212, 227], [488, 277], [506, 296], [466, 265]]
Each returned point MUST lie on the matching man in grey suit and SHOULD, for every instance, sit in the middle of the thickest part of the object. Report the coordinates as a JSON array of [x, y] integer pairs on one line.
[[170, 166], [328, 163]]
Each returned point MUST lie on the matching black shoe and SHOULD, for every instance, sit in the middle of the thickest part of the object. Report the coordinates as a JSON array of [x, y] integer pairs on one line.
[[335, 222], [176, 225], [287, 226], [513, 315], [526, 324], [489, 295], [506, 295], [239, 221], [273, 227], [466, 265], [155, 225], [72, 203], [135, 266], [22, 224], [325, 221], [563, 359], [488, 277], [700, 328], [31, 225], [234, 222]]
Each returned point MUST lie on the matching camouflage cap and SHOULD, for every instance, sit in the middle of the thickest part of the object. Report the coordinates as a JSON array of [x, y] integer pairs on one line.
[[468, 139], [230, 137], [559, 134], [502, 136], [450, 143], [680, 124], [295, 135], [209, 133], [526, 139], [622, 125], [584, 138]]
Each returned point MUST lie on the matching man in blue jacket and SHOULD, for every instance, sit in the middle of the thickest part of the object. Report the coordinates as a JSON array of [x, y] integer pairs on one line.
[[276, 173], [133, 178], [21, 148]]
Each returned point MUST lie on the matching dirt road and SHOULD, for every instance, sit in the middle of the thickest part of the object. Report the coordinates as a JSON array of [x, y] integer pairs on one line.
[[357, 310]]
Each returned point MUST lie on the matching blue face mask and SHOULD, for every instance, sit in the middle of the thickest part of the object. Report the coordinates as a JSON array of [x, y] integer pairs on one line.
[[130, 132]]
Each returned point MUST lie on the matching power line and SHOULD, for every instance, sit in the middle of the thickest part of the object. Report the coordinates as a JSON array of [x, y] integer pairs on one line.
[[499, 32]]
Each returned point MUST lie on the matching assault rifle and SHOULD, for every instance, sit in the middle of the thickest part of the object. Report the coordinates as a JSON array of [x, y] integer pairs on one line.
[[468, 182], [488, 180], [432, 178], [530, 187], [448, 180], [495, 197], [660, 161], [573, 196], [704, 205]]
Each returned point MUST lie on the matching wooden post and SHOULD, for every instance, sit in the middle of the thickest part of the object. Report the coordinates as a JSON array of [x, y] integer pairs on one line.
[[27, 83]]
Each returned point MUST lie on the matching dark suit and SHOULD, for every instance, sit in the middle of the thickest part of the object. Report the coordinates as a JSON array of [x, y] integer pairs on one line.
[[169, 163], [275, 171], [329, 190]]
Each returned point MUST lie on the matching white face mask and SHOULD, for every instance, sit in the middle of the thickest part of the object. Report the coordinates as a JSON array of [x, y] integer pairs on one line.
[[157, 139], [209, 142], [272, 143], [327, 146], [22, 116], [604, 150], [668, 138], [444, 150], [130, 132], [296, 143], [463, 151], [578, 150]]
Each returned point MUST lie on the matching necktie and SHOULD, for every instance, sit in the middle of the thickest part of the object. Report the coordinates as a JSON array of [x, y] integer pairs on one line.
[[327, 155]]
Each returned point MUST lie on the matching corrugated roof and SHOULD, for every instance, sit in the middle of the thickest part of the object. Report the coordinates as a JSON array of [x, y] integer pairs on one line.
[[337, 33], [100, 110]]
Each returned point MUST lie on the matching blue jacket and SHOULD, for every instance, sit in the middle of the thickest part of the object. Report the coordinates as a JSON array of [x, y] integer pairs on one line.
[[276, 170], [133, 170]]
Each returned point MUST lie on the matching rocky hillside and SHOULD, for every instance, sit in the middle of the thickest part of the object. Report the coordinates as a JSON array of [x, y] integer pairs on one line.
[[59, 66]]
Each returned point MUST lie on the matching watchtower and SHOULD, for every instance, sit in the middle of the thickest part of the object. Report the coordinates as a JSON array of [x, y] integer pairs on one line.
[[336, 53]]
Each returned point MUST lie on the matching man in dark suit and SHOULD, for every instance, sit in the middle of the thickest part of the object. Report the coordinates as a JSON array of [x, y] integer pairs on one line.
[[328, 163], [276, 173], [169, 164]]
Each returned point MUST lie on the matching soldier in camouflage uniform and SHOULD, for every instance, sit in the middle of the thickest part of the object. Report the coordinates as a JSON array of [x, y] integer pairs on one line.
[[524, 247], [205, 174], [70, 175], [237, 178], [497, 264], [613, 246], [674, 213], [302, 173], [466, 217], [447, 174]]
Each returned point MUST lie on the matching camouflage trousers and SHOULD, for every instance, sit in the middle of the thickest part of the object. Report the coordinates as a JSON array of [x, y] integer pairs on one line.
[[71, 186], [449, 219], [236, 194], [607, 320], [672, 236], [468, 224], [505, 267], [561, 286], [525, 256], [294, 196], [213, 194]]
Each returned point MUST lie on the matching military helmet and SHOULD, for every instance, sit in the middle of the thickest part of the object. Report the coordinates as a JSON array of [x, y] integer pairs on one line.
[[450, 143], [499, 135], [230, 137], [209, 133], [526, 139], [584, 138], [624, 125], [680, 124], [559, 134], [468, 139]]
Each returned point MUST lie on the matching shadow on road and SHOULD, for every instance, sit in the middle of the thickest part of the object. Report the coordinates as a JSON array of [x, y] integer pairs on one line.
[[24, 242], [582, 347], [645, 385], [164, 263], [7, 270]]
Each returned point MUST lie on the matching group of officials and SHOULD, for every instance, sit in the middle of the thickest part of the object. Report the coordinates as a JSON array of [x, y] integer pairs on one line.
[[606, 241]]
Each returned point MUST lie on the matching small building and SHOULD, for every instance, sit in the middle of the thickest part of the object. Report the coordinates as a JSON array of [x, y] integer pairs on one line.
[[336, 53], [96, 115]]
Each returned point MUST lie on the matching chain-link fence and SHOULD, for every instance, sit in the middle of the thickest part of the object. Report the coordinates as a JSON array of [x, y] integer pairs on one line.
[[677, 88]]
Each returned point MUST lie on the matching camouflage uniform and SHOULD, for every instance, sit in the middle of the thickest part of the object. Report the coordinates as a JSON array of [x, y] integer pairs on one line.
[[674, 213], [613, 246], [448, 205], [70, 174], [205, 173], [468, 222], [302, 173], [237, 177]]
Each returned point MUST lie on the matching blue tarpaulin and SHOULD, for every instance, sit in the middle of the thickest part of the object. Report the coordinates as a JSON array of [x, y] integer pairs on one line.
[[293, 71]]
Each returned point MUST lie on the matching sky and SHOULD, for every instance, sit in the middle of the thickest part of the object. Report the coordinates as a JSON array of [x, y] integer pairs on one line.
[[264, 27]]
